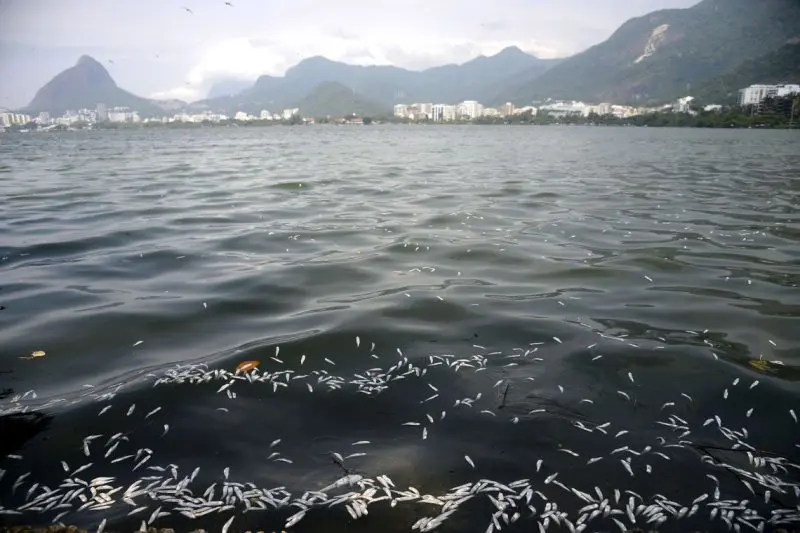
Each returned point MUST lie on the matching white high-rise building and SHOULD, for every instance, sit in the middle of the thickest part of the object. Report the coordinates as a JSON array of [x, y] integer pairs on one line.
[[683, 105], [603, 109], [754, 94], [470, 109], [123, 114], [443, 113], [102, 113], [787, 90]]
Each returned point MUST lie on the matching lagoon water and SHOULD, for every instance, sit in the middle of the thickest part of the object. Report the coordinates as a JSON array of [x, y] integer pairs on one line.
[[569, 276]]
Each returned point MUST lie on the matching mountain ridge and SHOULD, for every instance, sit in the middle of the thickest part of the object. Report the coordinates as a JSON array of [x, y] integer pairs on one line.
[[478, 78], [664, 54], [335, 99], [228, 87], [84, 85], [653, 58]]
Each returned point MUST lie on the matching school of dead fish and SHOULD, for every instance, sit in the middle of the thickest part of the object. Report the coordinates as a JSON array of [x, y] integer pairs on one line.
[[167, 491]]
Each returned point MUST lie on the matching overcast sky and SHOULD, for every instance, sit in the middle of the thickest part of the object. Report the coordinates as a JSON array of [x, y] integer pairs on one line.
[[160, 50]]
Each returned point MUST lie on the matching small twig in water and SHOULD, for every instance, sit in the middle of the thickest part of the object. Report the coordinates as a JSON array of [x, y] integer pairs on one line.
[[505, 395]]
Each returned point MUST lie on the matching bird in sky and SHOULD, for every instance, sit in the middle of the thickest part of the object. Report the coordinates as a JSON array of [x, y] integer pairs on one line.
[[189, 10]]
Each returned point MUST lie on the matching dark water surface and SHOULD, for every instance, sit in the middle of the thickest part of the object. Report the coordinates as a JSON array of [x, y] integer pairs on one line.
[[598, 288]]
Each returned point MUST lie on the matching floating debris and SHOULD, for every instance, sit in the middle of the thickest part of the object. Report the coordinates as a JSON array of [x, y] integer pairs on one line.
[[247, 366], [35, 354], [165, 491]]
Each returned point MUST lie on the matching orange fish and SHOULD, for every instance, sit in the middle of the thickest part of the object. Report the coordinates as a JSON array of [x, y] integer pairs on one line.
[[247, 366]]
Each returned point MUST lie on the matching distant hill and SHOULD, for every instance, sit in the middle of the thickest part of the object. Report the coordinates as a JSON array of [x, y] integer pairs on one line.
[[334, 99], [708, 51], [666, 54], [84, 85], [780, 66], [478, 79], [229, 87], [482, 78], [169, 105]]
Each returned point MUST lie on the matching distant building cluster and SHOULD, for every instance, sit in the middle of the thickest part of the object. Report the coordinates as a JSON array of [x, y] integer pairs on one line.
[[122, 115], [471, 110], [87, 116], [756, 94], [468, 110], [8, 119], [240, 116]]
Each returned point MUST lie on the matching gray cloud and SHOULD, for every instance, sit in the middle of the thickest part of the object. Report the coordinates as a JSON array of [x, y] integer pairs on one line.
[[262, 42], [495, 26], [419, 60], [340, 33], [160, 49]]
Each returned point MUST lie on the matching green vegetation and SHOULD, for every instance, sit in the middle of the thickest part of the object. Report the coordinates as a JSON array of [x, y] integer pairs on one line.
[[335, 99], [779, 66]]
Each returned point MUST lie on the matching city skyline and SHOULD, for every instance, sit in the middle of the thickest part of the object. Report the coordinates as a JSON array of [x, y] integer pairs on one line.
[[164, 51], [468, 110]]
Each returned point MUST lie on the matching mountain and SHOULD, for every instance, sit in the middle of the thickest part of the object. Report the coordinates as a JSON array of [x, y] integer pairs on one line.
[[173, 105], [478, 79], [84, 85], [779, 66], [335, 99], [482, 78], [665, 54], [229, 87]]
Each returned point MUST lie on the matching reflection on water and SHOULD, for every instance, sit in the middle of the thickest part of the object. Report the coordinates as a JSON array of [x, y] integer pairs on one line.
[[508, 333]]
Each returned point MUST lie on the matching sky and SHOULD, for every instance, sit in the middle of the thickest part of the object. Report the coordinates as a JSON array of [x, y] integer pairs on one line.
[[158, 49]]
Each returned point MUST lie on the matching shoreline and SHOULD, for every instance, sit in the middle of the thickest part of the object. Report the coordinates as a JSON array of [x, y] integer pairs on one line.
[[195, 125]]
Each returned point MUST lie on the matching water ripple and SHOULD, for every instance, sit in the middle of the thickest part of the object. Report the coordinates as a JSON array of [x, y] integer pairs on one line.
[[671, 254]]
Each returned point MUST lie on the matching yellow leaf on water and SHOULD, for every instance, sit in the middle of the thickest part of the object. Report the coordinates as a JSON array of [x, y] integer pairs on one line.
[[247, 366], [761, 365]]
